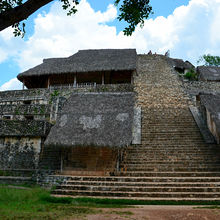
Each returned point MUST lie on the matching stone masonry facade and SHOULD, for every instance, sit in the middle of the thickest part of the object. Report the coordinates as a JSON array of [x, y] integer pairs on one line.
[[160, 93], [26, 117]]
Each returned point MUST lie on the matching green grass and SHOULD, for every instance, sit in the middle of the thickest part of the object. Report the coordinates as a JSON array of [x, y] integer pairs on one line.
[[37, 203]]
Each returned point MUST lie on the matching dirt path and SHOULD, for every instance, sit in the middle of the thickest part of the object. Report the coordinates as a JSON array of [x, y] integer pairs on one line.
[[157, 213]]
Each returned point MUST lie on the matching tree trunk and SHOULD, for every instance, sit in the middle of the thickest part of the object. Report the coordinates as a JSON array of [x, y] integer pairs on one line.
[[20, 13]]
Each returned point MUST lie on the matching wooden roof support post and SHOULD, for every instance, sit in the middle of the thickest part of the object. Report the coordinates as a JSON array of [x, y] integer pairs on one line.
[[23, 85], [74, 80], [103, 78], [61, 161], [48, 82]]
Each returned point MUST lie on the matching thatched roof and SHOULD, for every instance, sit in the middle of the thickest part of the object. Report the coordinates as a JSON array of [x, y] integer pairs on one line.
[[86, 61], [209, 73], [212, 103], [180, 64], [94, 119]]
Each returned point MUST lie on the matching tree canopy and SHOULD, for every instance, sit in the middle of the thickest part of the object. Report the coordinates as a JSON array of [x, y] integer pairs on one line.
[[209, 60], [14, 12]]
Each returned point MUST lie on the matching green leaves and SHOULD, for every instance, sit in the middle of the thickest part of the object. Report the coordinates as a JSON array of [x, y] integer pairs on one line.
[[134, 12], [209, 60], [8, 4], [19, 29], [70, 6]]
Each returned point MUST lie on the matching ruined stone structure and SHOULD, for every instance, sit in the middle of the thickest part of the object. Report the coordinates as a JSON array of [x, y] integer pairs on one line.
[[136, 136]]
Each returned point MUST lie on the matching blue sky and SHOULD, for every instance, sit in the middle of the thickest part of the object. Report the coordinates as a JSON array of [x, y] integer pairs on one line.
[[188, 28]]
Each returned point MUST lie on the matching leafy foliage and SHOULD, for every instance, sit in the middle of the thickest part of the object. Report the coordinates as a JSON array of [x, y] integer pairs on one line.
[[191, 75], [8, 4], [19, 29], [134, 12], [209, 60], [70, 6]]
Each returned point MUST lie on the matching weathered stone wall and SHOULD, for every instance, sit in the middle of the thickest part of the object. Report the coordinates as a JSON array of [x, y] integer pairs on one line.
[[19, 111], [46, 94], [19, 152], [89, 160], [29, 128], [22, 138], [193, 88]]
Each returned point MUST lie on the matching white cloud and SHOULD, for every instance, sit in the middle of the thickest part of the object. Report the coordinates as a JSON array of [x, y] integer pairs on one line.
[[189, 32], [3, 55], [12, 84], [58, 35], [9, 45]]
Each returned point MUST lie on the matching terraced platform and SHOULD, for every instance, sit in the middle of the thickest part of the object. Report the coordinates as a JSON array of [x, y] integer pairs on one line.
[[173, 162]]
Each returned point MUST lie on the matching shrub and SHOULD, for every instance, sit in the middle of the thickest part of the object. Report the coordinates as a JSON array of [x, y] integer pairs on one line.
[[191, 75]]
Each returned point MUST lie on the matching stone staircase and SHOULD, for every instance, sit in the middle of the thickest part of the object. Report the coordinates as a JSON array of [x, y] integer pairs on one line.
[[172, 165], [173, 162]]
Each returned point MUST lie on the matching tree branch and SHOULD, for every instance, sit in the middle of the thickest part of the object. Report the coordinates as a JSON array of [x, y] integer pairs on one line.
[[20, 13]]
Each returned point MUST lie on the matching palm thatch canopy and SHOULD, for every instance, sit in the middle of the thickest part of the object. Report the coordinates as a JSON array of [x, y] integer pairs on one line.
[[209, 73], [180, 65], [94, 119], [84, 61]]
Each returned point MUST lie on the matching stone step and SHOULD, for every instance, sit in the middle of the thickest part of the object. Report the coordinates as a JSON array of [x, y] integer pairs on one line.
[[171, 137], [155, 152], [172, 133], [155, 157], [163, 129], [172, 142], [174, 169], [168, 174], [144, 184], [136, 189], [163, 148], [179, 145], [170, 130], [172, 158], [172, 152], [146, 195], [139, 179], [148, 199], [199, 163], [167, 124], [170, 127], [169, 160]]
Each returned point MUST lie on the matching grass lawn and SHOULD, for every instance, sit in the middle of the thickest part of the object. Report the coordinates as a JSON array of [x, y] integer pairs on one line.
[[36, 203]]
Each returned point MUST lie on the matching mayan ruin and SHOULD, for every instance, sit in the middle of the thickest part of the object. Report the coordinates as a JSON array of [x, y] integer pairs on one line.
[[114, 123]]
